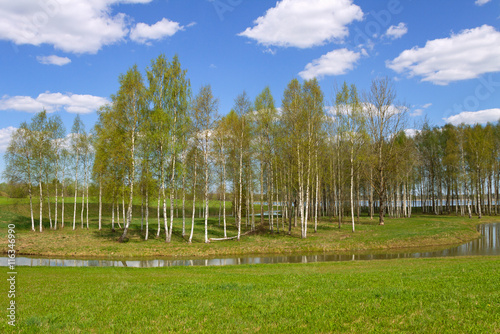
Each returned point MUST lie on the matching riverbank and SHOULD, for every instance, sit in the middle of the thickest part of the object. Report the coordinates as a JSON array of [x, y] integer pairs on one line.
[[444, 295], [421, 231]]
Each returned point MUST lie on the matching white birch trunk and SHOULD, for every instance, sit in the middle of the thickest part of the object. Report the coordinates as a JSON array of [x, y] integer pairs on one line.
[[55, 206], [317, 195], [224, 194], [206, 187], [100, 203], [48, 203], [183, 204], [352, 186], [113, 216], [62, 200], [194, 201], [147, 213], [41, 204], [76, 191], [30, 185], [172, 189]]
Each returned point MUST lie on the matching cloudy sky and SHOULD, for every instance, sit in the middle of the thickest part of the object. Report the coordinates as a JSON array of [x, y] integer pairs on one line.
[[66, 56]]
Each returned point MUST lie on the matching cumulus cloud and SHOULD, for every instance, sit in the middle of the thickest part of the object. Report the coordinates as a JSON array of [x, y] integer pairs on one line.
[[5, 135], [72, 103], [462, 56], [336, 62], [83, 26], [395, 32], [474, 117], [411, 132], [481, 2], [53, 60], [419, 111], [304, 23], [142, 33]]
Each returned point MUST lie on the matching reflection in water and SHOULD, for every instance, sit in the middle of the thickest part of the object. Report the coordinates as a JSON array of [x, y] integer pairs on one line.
[[489, 244]]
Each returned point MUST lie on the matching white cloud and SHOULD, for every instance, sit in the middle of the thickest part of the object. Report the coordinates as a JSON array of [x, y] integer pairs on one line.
[[411, 132], [53, 60], [336, 62], [142, 32], [83, 26], [481, 2], [72, 103], [304, 23], [475, 117], [5, 135], [462, 56], [419, 111], [398, 31]]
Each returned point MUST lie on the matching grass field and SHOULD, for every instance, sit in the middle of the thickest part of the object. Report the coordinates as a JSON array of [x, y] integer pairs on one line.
[[420, 231], [449, 295]]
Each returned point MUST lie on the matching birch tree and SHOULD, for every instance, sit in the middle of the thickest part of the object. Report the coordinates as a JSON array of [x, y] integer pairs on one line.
[[204, 116], [353, 124], [384, 120], [19, 160], [129, 103], [77, 131]]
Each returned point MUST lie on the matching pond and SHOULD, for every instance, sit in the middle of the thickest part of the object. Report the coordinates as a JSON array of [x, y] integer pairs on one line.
[[488, 244]]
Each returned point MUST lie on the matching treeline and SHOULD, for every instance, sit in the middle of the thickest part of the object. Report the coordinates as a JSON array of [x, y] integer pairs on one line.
[[157, 142]]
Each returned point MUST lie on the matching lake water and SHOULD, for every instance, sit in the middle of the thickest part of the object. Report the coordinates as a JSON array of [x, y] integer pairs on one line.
[[488, 244]]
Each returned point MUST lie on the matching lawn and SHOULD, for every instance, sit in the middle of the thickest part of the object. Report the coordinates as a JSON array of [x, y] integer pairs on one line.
[[446, 295]]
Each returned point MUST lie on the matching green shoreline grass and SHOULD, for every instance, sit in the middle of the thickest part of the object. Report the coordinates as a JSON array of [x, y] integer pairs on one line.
[[421, 231], [441, 295]]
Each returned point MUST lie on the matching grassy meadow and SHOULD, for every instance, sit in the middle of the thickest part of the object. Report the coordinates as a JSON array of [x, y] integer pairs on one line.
[[448, 295], [435, 295]]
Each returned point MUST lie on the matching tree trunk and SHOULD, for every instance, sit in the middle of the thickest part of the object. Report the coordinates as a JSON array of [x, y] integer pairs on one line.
[[48, 202], [205, 156], [55, 206], [261, 193], [194, 201], [41, 204], [76, 190], [147, 213], [183, 203], [240, 185], [100, 202], [224, 195], [172, 202], [352, 186], [131, 197], [113, 216]]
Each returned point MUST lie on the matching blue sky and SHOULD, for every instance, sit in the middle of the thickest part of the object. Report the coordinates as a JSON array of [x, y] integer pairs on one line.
[[66, 56]]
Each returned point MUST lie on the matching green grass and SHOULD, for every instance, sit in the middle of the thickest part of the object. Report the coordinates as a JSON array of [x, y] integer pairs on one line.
[[449, 295]]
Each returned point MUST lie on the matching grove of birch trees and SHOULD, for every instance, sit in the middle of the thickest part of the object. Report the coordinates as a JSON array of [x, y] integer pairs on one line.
[[269, 167]]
